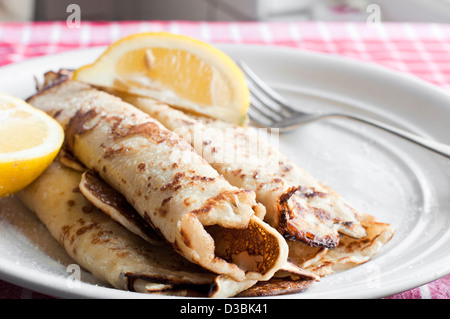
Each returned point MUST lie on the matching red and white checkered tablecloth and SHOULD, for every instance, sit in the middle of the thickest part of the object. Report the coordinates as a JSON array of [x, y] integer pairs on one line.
[[419, 49]]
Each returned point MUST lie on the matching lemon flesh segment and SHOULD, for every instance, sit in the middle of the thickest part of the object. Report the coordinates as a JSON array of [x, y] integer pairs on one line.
[[29, 141], [146, 68], [177, 70]]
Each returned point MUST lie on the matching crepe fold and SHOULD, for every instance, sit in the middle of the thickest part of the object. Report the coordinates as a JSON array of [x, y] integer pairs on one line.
[[350, 252], [297, 205], [206, 219], [126, 261]]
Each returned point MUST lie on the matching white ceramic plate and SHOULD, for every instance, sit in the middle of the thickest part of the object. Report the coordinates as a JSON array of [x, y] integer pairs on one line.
[[394, 180]]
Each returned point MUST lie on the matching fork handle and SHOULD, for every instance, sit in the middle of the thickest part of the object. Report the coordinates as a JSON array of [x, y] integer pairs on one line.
[[439, 148]]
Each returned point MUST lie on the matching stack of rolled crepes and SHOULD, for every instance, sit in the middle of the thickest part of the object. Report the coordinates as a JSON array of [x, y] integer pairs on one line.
[[135, 200]]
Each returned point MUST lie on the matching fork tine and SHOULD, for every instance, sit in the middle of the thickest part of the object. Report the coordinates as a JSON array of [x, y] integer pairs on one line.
[[267, 103], [262, 107], [264, 87]]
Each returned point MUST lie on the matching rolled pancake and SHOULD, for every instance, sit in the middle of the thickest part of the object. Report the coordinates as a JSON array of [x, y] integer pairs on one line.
[[116, 256], [99, 244], [172, 187], [297, 205]]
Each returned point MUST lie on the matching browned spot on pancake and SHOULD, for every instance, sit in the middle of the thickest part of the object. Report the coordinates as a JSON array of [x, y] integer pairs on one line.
[[87, 208], [175, 183], [141, 167], [302, 191], [185, 238], [148, 129], [57, 113], [229, 196], [202, 178], [202, 210], [237, 172], [76, 190], [286, 168], [186, 122], [166, 200], [261, 186], [76, 126], [70, 203], [322, 214], [122, 254], [163, 212], [287, 195], [115, 121], [187, 201], [310, 192], [102, 237], [86, 228], [65, 230]]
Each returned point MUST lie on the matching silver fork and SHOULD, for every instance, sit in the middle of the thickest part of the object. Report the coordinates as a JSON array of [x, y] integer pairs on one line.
[[270, 109]]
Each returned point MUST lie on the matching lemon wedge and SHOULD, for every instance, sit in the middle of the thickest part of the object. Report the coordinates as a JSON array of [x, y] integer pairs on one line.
[[178, 70], [29, 141]]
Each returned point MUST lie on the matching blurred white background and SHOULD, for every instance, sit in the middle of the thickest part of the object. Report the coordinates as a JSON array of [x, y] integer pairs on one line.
[[225, 10]]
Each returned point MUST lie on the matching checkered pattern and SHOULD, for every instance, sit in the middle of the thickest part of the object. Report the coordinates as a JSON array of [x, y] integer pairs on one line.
[[419, 49]]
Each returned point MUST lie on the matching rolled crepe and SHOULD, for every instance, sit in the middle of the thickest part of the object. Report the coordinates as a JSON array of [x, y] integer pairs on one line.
[[99, 244], [116, 256], [205, 218], [297, 205]]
